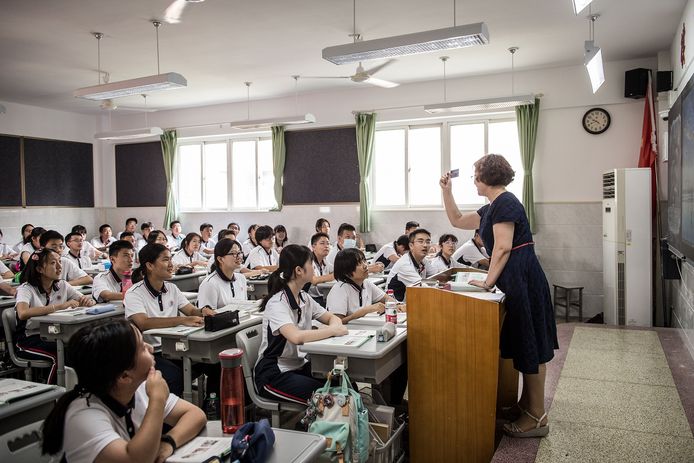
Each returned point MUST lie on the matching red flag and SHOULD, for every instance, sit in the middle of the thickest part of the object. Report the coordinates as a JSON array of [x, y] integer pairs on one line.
[[649, 148]]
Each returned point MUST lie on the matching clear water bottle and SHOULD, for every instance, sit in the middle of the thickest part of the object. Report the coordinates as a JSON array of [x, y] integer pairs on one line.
[[231, 389], [127, 282], [212, 407]]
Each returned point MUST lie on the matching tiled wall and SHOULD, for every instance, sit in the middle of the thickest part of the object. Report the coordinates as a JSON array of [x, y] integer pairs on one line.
[[681, 295]]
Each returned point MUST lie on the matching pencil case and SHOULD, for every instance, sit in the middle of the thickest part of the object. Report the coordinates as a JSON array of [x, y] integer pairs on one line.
[[96, 310], [222, 320]]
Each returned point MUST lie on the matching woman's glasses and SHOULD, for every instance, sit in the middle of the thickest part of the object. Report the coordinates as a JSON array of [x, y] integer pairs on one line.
[[235, 254]]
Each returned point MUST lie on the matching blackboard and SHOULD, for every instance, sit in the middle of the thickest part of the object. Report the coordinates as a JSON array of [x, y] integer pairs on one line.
[[11, 172], [58, 173], [140, 176], [321, 166]]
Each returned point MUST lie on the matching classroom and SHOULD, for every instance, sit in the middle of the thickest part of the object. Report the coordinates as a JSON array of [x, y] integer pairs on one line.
[[467, 225]]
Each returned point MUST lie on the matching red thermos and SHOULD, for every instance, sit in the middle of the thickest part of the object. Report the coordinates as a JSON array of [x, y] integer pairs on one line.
[[231, 390]]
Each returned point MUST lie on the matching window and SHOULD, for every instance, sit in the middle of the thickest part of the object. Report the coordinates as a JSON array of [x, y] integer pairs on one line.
[[408, 161], [226, 175]]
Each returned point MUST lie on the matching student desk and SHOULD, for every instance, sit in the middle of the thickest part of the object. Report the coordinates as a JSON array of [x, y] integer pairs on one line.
[[190, 282], [7, 301], [201, 346], [290, 446], [324, 288], [372, 362], [257, 289]]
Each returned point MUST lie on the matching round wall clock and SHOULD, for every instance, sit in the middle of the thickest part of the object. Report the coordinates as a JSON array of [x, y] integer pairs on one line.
[[596, 121]]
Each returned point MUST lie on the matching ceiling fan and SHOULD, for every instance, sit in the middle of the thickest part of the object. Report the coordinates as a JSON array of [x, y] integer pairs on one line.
[[110, 105], [173, 13], [364, 76]]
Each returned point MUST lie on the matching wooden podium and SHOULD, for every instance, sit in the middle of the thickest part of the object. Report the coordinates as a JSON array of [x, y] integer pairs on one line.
[[456, 378]]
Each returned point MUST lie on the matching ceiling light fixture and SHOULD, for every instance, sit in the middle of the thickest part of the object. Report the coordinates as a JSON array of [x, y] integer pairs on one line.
[[593, 57], [131, 134], [137, 86], [580, 5], [486, 104], [448, 38], [267, 123]]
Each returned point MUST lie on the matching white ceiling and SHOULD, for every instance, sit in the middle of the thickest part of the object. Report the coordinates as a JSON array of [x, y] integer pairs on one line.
[[47, 51]]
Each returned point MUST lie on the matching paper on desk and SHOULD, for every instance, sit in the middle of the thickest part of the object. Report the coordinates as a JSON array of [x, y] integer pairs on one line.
[[202, 449], [13, 389], [180, 330], [354, 338], [71, 311]]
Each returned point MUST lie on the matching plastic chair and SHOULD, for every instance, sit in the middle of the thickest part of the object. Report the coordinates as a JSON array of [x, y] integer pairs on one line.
[[249, 340], [9, 323]]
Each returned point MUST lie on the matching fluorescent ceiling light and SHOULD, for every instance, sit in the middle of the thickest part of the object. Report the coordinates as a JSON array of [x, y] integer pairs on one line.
[[580, 5], [593, 63], [129, 134], [307, 118], [486, 104], [138, 86], [409, 44]]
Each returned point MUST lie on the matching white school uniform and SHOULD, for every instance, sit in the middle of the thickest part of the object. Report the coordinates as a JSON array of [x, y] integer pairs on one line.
[[136, 235], [96, 242], [81, 261], [405, 272], [319, 269], [70, 270], [344, 299], [139, 244], [3, 268], [260, 257], [174, 242], [278, 313], [468, 254], [106, 281], [216, 290], [60, 293], [208, 244], [18, 247], [383, 255], [165, 302], [88, 250], [93, 424], [333, 252], [182, 258], [437, 264], [247, 247]]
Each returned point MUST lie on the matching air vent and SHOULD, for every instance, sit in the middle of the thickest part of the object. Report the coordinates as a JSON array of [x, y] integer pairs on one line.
[[608, 185], [621, 306]]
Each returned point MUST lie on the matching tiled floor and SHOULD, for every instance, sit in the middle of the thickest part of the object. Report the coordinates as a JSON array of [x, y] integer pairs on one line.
[[613, 399]]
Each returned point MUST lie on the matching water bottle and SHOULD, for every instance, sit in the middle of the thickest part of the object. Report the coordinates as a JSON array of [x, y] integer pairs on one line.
[[392, 312], [127, 282], [231, 389], [212, 407]]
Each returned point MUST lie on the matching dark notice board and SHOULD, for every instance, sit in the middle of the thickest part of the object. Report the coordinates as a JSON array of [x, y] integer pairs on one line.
[[140, 176], [58, 173], [321, 166], [11, 172]]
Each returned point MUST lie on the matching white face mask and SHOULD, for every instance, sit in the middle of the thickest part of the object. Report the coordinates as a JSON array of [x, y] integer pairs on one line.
[[349, 243]]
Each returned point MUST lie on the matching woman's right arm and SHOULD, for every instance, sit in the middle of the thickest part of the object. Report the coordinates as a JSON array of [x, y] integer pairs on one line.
[[299, 337], [24, 312], [465, 221]]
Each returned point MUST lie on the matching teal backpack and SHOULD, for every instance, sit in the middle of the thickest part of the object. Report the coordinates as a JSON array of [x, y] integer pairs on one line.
[[339, 414]]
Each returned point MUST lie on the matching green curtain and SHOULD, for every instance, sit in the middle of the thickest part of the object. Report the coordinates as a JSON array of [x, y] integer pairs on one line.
[[279, 155], [366, 130], [526, 117], [169, 140]]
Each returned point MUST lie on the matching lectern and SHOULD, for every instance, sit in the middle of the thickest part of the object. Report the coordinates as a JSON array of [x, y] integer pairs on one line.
[[456, 378]]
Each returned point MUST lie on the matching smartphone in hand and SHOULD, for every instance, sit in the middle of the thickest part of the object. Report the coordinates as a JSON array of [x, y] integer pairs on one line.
[[454, 173]]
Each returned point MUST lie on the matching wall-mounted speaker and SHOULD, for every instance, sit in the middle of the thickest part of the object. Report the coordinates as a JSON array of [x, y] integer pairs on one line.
[[635, 83], [664, 81]]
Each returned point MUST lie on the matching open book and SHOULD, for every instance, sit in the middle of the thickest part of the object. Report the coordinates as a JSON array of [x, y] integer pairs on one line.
[[354, 338], [462, 278], [202, 449], [180, 330], [12, 390]]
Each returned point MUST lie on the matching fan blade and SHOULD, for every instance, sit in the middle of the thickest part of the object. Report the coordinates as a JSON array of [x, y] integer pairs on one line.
[[375, 69], [326, 77], [381, 82], [172, 15]]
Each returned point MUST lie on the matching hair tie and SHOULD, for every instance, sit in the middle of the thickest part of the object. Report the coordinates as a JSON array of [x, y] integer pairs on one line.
[[281, 275]]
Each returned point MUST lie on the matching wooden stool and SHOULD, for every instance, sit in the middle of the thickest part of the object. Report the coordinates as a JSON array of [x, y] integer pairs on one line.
[[567, 301]]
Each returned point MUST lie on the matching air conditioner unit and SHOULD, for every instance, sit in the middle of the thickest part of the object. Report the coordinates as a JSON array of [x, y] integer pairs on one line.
[[626, 247]]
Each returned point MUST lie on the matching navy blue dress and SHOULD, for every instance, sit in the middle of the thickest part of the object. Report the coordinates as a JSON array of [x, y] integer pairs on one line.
[[529, 334]]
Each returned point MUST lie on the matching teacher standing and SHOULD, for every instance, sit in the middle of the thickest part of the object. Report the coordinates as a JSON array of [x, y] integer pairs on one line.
[[529, 333]]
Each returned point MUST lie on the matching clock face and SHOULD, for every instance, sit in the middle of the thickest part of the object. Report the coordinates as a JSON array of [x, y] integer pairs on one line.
[[596, 121]]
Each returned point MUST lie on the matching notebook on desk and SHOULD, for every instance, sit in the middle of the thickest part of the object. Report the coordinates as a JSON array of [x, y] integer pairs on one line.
[[201, 450]]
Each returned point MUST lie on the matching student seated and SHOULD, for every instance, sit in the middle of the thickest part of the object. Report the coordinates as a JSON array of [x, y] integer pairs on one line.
[[224, 283], [117, 411], [131, 227], [207, 242], [282, 371], [5, 272], [263, 256], [234, 228], [176, 237], [74, 253], [189, 255], [33, 244], [108, 285], [105, 238], [410, 227], [6, 251], [153, 302], [87, 249], [5, 288], [26, 236], [353, 296], [42, 292], [346, 239], [409, 269], [443, 260], [146, 228], [322, 271], [473, 253], [71, 273], [322, 226], [391, 252], [157, 237], [251, 242], [281, 239]]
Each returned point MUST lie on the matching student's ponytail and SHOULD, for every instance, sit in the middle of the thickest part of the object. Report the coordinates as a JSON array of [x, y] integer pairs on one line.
[[291, 257], [148, 254]]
